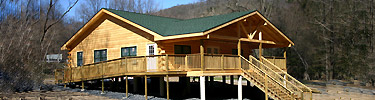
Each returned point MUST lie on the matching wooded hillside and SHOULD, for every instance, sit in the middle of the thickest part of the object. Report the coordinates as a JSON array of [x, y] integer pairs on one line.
[[334, 38]]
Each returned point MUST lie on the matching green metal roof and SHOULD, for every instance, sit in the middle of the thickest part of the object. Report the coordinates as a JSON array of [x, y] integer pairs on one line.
[[170, 26]]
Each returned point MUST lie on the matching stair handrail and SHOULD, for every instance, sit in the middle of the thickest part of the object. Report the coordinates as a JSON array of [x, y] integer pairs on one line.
[[285, 73], [277, 75], [290, 91]]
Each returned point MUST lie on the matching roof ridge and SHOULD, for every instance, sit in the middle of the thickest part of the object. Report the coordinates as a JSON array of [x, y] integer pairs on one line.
[[218, 15], [142, 13]]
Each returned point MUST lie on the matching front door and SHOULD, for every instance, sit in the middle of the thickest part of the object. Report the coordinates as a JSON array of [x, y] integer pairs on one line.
[[151, 60]]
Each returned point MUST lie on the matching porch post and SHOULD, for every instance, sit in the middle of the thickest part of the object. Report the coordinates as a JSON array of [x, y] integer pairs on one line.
[[239, 53], [202, 55], [285, 53], [202, 87], [260, 51], [260, 47]]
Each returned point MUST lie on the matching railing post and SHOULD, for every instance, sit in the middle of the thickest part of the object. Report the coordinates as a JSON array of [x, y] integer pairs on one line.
[[145, 63], [222, 62], [186, 62], [167, 62], [266, 86], [102, 78], [126, 64], [302, 96]]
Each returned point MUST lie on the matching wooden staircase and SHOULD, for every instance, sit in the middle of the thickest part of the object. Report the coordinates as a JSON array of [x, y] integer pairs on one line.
[[268, 78]]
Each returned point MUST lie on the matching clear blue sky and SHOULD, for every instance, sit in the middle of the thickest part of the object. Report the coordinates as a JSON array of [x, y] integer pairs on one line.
[[163, 4]]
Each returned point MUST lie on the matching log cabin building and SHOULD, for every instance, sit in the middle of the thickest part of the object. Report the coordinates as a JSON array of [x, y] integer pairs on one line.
[[118, 43]]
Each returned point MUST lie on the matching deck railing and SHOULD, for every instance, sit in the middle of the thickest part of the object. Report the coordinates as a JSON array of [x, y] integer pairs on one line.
[[141, 64], [280, 62]]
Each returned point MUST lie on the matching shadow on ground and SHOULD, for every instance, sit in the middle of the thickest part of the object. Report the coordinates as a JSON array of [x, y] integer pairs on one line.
[[178, 90]]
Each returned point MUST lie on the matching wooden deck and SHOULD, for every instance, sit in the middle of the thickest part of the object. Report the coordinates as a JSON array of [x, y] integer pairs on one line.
[[266, 75]]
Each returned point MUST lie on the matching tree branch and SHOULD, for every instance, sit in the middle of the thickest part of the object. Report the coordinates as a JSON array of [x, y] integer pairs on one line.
[[45, 29]]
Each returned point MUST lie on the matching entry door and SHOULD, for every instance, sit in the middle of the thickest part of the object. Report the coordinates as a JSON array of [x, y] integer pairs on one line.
[[151, 60]]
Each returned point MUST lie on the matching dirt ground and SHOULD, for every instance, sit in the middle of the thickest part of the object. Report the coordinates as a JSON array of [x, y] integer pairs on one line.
[[51, 95], [342, 90], [327, 92]]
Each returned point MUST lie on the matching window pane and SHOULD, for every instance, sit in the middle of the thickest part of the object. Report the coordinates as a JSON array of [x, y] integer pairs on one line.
[[208, 50], [133, 51], [79, 59], [234, 52], [187, 49], [178, 49], [96, 54], [216, 51]]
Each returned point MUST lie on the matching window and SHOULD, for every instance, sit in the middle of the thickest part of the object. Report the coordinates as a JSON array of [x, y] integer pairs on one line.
[[209, 51], [235, 52], [79, 59], [151, 50], [100, 55], [216, 51], [129, 51], [213, 50], [182, 49]]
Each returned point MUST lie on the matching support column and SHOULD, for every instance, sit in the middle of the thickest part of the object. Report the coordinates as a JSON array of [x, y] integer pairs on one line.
[[212, 78], [162, 86], [126, 87], [240, 88], [102, 86], [224, 79], [231, 80], [83, 86], [145, 87], [167, 87], [202, 55], [202, 87]]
